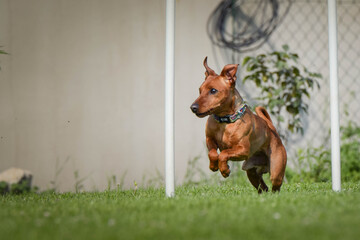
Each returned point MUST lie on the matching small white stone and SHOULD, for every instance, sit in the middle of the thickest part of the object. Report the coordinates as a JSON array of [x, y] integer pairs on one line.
[[15, 175]]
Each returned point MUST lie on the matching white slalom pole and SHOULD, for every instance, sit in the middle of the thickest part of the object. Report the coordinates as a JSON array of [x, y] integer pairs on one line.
[[334, 97], [169, 99]]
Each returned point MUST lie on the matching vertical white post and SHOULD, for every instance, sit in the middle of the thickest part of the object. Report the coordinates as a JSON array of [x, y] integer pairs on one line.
[[334, 97], [169, 99]]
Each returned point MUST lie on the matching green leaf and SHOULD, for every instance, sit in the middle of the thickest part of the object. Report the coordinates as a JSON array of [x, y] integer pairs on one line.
[[247, 78], [251, 68], [285, 47], [306, 93], [294, 57], [246, 60], [296, 71], [281, 64]]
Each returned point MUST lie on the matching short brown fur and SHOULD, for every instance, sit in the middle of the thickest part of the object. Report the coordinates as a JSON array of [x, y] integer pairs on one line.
[[253, 138]]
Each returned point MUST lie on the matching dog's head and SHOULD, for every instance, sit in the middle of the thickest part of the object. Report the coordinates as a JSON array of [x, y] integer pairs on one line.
[[216, 91]]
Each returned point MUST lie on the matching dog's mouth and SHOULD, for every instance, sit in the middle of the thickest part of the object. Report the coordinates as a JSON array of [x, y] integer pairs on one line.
[[204, 114]]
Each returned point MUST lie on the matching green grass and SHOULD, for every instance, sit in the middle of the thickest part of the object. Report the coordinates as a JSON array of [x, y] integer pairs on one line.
[[226, 211]]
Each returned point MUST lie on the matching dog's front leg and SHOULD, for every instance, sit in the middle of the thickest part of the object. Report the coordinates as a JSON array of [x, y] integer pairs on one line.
[[213, 154], [239, 152]]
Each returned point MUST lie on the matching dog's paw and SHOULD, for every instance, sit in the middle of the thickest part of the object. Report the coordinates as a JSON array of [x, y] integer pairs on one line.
[[214, 169], [225, 173], [214, 166]]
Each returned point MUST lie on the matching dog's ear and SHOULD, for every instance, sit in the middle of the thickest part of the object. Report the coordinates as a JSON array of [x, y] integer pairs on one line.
[[208, 71], [229, 71]]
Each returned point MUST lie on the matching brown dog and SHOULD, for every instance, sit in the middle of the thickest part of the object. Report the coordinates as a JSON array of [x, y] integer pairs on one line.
[[239, 134]]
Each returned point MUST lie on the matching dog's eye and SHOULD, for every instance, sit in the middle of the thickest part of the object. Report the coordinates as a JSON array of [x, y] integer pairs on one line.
[[213, 91]]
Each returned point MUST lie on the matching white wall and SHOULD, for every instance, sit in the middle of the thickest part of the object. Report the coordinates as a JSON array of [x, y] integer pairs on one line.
[[84, 81]]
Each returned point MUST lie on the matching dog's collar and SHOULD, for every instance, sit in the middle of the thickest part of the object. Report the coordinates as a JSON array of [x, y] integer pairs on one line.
[[231, 118]]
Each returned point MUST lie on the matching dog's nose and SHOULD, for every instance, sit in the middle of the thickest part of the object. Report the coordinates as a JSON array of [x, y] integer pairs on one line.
[[194, 108]]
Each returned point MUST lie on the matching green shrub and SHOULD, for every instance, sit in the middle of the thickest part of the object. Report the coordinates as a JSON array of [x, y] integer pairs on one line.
[[314, 164], [17, 188], [284, 85], [4, 187], [350, 152], [22, 187], [311, 165]]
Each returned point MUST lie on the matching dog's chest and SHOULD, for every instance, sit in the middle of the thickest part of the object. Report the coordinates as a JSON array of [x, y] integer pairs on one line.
[[226, 137]]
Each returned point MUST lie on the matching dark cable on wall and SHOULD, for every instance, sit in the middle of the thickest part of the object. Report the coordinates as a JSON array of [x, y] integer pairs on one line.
[[231, 25]]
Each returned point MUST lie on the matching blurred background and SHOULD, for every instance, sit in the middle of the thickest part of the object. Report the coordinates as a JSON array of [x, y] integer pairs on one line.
[[82, 89]]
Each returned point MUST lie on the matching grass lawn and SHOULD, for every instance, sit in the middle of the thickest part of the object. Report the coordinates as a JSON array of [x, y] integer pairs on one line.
[[226, 211]]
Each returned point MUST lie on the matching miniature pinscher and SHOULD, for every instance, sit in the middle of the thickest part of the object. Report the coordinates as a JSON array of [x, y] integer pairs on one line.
[[238, 133]]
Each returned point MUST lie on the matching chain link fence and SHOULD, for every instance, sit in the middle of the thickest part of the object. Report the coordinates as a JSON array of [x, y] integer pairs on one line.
[[304, 28]]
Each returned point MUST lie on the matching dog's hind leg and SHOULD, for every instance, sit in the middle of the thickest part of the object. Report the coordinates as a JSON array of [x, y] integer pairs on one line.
[[255, 166], [277, 166], [256, 180]]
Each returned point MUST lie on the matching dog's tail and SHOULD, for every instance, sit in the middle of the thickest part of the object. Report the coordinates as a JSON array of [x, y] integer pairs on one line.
[[261, 112]]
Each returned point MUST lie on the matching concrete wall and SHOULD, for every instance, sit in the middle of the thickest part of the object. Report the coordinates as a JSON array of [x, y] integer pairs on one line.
[[83, 86]]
